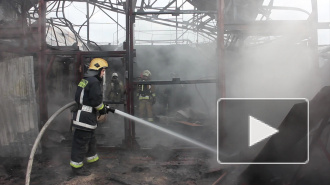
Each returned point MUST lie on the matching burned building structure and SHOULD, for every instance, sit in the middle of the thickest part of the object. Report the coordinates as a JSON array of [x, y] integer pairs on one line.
[[198, 51]]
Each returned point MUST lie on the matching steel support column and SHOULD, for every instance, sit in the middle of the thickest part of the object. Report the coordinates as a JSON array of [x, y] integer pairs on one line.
[[314, 35], [221, 85], [129, 141], [87, 4], [80, 70], [221, 49], [42, 61]]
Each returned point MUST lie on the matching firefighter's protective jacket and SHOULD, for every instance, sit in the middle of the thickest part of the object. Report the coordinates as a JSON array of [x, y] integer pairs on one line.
[[116, 91], [146, 92], [89, 99]]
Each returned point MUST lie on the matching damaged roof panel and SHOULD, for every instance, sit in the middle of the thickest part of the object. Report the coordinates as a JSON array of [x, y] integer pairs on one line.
[[18, 110]]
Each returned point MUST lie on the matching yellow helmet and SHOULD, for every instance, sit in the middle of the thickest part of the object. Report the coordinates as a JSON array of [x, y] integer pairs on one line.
[[98, 63]]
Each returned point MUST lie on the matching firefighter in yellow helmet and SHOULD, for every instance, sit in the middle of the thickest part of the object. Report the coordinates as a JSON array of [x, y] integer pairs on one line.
[[146, 96], [90, 102]]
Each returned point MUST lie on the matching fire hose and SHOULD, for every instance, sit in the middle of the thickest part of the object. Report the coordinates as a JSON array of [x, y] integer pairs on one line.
[[36, 142]]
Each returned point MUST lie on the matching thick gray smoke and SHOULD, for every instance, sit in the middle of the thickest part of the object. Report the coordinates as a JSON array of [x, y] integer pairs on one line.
[[187, 63], [280, 69]]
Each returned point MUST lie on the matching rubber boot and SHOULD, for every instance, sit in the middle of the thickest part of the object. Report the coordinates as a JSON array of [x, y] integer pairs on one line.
[[80, 171]]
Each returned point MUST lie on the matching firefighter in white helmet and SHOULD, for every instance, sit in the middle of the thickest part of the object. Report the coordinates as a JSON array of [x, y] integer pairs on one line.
[[117, 89], [90, 103], [146, 96]]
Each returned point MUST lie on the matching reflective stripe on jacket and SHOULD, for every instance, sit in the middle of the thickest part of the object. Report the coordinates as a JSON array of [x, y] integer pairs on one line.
[[146, 92], [89, 98]]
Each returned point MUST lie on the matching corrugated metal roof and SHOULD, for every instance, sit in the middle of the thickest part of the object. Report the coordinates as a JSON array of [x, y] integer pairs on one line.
[[18, 107]]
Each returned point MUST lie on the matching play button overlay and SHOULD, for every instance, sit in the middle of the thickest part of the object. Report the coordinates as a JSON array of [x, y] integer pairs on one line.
[[259, 131], [263, 131]]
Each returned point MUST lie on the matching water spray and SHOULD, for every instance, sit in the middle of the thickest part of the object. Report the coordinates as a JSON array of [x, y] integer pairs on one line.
[[152, 125]]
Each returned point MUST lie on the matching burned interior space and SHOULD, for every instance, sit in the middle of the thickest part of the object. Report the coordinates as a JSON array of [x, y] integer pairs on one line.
[[218, 70]]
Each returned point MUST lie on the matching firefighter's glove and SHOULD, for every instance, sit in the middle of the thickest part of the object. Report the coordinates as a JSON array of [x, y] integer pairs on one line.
[[103, 110], [74, 108], [110, 109]]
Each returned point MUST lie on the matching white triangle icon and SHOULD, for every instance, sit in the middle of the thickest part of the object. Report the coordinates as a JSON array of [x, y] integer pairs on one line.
[[259, 130]]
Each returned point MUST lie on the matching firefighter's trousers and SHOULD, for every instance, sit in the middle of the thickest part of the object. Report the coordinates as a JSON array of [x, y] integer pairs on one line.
[[83, 145], [145, 106]]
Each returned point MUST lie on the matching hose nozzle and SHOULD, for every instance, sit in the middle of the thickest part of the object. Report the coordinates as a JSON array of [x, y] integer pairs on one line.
[[110, 109]]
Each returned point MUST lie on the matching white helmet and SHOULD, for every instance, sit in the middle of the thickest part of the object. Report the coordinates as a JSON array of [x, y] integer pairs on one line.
[[114, 75], [146, 73]]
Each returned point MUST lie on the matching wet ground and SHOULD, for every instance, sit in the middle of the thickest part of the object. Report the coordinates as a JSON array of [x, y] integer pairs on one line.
[[117, 166]]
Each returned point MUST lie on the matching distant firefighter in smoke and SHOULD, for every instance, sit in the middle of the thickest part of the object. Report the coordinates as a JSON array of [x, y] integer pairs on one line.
[[117, 90], [146, 96]]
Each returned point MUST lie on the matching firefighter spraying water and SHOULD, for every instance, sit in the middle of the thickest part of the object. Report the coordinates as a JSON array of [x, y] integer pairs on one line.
[[123, 114]]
